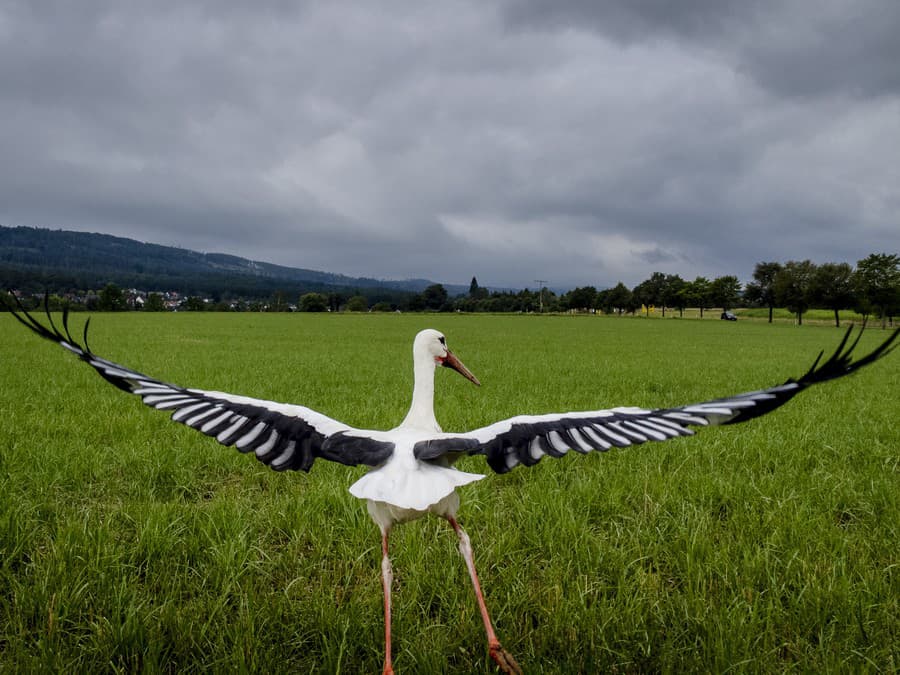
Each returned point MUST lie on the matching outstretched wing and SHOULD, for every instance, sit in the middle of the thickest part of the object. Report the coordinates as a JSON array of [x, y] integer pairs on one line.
[[280, 435], [526, 439]]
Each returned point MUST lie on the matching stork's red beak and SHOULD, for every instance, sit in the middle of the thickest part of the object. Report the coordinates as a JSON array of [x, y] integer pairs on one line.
[[450, 361]]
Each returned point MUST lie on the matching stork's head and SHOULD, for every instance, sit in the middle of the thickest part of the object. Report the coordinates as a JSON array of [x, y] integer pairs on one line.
[[431, 345]]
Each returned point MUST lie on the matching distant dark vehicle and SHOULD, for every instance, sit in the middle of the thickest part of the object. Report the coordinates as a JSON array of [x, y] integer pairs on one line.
[[728, 316]]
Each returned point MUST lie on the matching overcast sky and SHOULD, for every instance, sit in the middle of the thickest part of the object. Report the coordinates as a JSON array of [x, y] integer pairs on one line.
[[577, 141]]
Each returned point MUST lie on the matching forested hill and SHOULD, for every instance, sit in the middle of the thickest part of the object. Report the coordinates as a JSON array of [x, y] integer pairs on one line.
[[40, 259]]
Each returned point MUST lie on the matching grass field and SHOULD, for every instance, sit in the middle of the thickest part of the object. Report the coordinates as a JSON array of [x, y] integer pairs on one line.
[[779, 315], [128, 543]]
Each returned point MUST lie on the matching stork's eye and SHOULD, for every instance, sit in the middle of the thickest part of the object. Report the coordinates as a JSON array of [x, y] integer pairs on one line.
[[443, 340]]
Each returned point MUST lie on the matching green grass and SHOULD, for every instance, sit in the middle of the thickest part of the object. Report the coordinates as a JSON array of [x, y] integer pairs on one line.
[[811, 316], [128, 543], [779, 315]]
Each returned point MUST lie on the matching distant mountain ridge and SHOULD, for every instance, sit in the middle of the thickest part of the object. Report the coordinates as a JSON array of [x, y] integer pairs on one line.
[[90, 260]]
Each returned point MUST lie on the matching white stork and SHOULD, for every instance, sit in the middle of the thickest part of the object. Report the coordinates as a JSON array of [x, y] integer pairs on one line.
[[412, 473]]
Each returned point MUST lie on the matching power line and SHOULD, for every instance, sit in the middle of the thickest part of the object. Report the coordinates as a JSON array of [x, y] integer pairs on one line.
[[541, 282]]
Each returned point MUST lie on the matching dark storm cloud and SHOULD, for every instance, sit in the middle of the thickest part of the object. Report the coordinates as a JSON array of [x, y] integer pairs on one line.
[[793, 47], [576, 141]]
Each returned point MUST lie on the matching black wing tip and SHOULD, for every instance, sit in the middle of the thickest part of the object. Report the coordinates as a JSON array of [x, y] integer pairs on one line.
[[82, 351], [838, 365], [23, 316], [841, 362], [291, 432]]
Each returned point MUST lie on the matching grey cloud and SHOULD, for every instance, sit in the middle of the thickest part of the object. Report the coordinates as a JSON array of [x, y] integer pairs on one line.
[[844, 48], [631, 21], [579, 142], [794, 48]]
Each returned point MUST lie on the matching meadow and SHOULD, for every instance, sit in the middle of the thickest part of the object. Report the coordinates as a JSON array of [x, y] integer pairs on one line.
[[132, 544]]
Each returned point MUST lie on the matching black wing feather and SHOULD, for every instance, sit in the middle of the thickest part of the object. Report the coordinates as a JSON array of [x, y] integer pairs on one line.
[[280, 440], [525, 440]]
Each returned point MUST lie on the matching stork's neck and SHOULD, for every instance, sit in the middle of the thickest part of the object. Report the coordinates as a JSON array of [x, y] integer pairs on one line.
[[421, 412]]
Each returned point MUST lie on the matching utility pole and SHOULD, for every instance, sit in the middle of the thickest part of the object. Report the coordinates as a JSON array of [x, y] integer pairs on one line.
[[541, 282]]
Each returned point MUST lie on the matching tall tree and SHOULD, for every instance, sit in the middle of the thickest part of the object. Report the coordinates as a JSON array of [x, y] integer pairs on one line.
[[697, 293], [618, 299], [877, 280], [476, 292], [650, 291], [357, 303], [582, 298], [725, 292], [792, 286], [672, 295], [333, 302], [435, 296], [643, 295], [831, 287], [762, 289], [313, 302], [155, 303], [112, 299]]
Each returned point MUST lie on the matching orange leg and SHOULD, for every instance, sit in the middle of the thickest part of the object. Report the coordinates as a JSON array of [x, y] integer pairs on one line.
[[502, 658], [387, 578]]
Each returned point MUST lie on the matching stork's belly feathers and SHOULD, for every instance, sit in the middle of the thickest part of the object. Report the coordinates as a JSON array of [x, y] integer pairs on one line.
[[405, 482], [416, 489]]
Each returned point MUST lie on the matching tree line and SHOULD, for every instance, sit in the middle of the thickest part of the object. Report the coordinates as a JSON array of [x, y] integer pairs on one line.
[[871, 288]]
